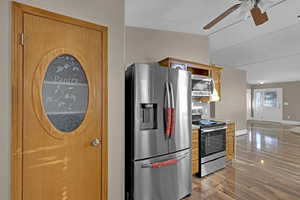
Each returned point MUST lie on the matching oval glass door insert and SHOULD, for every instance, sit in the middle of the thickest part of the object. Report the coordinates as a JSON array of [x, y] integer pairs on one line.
[[65, 93]]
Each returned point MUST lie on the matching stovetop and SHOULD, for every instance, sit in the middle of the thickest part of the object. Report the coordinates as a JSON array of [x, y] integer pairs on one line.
[[207, 123]]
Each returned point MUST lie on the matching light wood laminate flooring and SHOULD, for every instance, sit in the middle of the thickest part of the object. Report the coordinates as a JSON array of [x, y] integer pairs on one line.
[[267, 167]]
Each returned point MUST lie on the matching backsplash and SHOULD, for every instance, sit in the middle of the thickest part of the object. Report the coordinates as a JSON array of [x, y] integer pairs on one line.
[[201, 108]]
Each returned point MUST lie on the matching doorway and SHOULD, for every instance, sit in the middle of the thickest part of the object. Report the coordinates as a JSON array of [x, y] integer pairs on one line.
[[249, 104], [267, 104], [59, 113]]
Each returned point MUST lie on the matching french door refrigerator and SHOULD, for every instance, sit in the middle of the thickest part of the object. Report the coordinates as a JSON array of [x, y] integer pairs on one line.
[[158, 133]]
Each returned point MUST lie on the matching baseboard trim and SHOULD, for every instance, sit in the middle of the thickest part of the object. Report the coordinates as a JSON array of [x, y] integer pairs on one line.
[[241, 132], [288, 122]]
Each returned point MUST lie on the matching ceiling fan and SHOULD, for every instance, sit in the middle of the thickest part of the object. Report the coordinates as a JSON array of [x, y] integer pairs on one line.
[[257, 9]]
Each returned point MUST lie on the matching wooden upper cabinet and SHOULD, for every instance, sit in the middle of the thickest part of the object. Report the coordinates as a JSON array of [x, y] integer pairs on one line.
[[201, 69], [215, 74]]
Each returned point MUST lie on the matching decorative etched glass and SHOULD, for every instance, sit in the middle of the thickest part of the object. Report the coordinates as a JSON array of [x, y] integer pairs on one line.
[[65, 93]]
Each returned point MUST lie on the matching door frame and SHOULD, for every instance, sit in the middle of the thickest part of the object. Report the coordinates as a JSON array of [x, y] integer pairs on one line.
[[17, 67], [264, 114]]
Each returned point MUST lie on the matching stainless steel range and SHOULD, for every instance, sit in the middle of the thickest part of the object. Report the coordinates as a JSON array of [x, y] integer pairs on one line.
[[158, 133], [212, 146]]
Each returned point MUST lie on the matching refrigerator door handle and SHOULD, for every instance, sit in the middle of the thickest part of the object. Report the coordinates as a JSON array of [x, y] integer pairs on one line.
[[168, 95], [168, 114], [172, 95], [172, 109], [164, 163]]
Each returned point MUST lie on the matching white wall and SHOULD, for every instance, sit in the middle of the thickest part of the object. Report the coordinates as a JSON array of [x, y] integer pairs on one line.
[[149, 45], [104, 12], [233, 104]]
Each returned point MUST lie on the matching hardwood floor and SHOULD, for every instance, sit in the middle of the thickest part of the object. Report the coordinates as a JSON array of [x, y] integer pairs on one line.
[[267, 167]]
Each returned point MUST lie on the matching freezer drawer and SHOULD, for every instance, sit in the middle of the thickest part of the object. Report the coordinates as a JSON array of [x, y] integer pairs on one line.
[[163, 178]]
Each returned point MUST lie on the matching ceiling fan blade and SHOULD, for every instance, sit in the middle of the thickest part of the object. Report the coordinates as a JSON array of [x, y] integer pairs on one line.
[[222, 16], [259, 17]]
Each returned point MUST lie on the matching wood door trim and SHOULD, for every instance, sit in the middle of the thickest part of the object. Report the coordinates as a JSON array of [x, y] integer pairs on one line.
[[58, 17], [18, 11]]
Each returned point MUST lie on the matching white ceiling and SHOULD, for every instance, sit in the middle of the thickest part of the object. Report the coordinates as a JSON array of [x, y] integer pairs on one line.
[[266, 47], [242, 45], [175, 15], [283, 69]]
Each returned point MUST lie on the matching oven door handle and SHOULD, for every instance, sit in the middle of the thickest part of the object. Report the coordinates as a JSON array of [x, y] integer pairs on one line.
[[213, 129]]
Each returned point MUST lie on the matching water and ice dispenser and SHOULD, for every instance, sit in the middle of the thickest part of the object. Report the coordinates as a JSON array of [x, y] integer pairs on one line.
[[148, 116]]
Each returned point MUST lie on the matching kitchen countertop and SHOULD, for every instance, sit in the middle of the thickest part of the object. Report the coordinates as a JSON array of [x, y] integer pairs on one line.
[[227, 121]]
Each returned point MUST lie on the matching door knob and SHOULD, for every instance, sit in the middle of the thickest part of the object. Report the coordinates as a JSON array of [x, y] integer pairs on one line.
[[95, 142]]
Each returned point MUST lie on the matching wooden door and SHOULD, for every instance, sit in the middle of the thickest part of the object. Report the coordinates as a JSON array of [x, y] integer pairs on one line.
[[63, 87]]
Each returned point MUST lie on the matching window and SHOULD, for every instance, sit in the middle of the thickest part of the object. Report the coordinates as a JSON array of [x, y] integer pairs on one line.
[[270, 99], [65, 93]]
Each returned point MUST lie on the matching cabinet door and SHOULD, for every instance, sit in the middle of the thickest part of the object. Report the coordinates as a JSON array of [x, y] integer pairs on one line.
[[229, 148], [195, 151], [230, 141], [216, 76], [195, 166]]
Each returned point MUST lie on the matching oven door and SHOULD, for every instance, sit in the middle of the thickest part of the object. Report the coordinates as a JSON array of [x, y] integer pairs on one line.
[[213, 143]]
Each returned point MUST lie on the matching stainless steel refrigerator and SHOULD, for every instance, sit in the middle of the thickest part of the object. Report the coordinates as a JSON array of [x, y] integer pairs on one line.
[[158, 133]]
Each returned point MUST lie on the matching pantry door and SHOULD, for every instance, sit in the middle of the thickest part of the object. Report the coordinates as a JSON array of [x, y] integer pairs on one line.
[[63, 116]]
